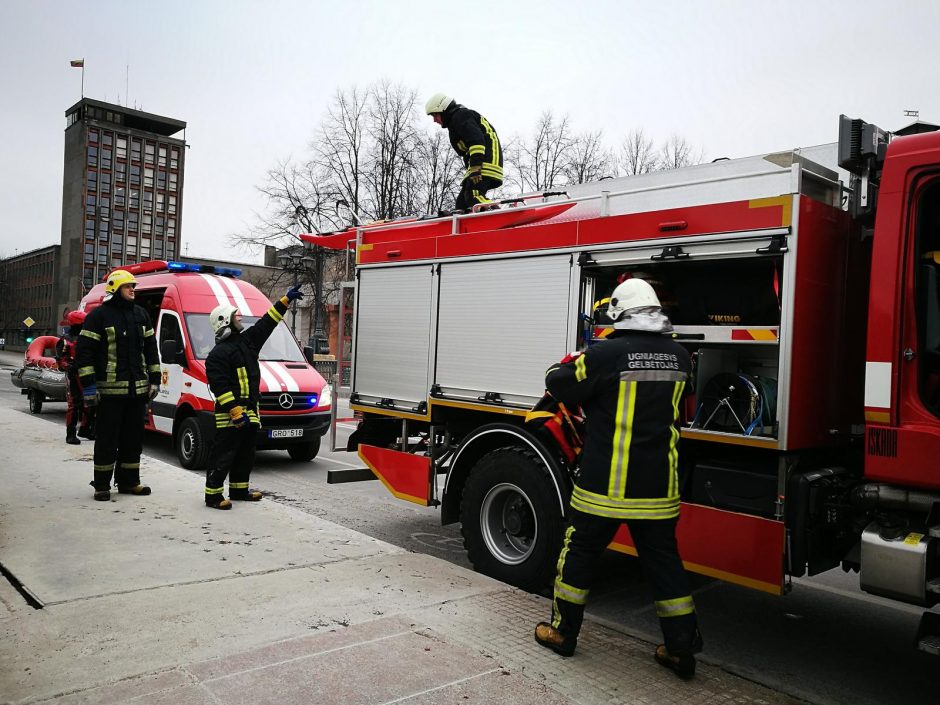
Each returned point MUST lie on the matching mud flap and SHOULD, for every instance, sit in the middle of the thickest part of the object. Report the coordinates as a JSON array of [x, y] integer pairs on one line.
[[405, 475], [737, 548]]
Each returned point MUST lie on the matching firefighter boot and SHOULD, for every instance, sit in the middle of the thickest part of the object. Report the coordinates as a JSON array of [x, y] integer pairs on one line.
[[218, 502], [244, 495], [70, 436], [682, 664], [86, 432], [134, 489], [101, 495], [546, 635]]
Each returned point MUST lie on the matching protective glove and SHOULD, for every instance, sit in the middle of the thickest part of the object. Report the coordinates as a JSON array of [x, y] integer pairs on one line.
[[90, 395], [475, 175], [294, 293], [238, 416], [152, 391]]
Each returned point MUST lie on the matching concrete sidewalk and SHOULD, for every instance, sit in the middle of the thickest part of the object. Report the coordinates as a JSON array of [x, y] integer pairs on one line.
[[160, 600]]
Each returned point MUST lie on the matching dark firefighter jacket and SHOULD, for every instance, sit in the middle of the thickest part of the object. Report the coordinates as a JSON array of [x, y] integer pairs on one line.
[[629, 387], [117, 350], [475, 140], [233, 371]]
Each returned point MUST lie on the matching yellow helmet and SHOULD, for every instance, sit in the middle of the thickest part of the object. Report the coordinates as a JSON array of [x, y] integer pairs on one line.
[[117, 279]]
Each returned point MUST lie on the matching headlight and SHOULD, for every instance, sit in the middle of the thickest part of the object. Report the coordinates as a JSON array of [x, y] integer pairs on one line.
[[326, 396]]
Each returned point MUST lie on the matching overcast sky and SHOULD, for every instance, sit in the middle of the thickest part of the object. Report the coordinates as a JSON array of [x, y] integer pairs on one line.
[[253, 79]]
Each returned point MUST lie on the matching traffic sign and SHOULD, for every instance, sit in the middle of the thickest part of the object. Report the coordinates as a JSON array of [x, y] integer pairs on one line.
[[28, 322]]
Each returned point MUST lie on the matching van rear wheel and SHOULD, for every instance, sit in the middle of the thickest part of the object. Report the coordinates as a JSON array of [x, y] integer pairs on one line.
[[192, 446], [511, 521]]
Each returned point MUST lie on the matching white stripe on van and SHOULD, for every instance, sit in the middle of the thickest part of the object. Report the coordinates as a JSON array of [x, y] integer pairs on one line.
[[217, 289], [270, 381], [238, 297], [285, 376]]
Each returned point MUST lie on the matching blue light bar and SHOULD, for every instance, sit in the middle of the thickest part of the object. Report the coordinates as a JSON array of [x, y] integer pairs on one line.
[[203, 268]]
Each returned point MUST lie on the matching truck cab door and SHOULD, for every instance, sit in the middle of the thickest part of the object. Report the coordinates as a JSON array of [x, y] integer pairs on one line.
[[171, 372]]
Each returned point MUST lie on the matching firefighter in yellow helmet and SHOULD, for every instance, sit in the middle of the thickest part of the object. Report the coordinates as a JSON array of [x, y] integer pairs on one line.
[[629, 386], [475, 140], [119, 371]]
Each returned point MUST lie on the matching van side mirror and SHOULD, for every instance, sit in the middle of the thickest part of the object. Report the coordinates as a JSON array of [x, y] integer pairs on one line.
[[308, 354], [171, 352]]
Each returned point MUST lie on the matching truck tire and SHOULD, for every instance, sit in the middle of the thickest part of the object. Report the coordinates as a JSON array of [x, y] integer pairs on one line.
[[302, 452], [35, 401], [511, 525], [192, 446]]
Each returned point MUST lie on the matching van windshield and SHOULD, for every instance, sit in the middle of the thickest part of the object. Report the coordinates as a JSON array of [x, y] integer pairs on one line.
[[280, 346]]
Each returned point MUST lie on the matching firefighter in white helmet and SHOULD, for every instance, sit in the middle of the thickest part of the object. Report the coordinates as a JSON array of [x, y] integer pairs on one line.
[[234, 378], [629, 386], [119, 370], [475, 140]]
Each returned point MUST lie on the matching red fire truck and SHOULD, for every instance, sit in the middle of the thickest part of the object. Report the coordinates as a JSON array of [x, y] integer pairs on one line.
[[810, 436], [296, 402]]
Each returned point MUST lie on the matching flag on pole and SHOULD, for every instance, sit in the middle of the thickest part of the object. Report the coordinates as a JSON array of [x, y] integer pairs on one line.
[[77, 63]]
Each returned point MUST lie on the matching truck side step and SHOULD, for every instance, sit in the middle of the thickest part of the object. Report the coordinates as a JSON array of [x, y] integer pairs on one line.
[[337, 477], [928, 633]]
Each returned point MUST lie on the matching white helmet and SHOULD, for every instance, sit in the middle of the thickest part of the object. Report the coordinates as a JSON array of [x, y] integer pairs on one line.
[[438, 103], [221, 320], [631, 294]]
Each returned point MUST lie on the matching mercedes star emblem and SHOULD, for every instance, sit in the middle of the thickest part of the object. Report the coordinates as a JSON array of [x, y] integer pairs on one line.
[[286, 401]]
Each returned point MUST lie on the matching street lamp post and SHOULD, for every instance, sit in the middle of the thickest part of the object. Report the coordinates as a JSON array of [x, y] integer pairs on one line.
[[296, 263]]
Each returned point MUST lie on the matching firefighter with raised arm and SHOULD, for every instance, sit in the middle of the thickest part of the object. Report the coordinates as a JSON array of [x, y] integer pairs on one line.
[[475, 140], [629, 387], [235, 379], [77, 414], [119, 370]]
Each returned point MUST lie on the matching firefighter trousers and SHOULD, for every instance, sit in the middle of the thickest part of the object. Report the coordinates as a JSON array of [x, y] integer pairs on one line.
[[77, 413], [655, 542], [472, 194], [119, 439], [233, 455]]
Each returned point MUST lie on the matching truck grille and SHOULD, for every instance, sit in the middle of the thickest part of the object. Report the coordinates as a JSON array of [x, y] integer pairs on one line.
[[287, 401]]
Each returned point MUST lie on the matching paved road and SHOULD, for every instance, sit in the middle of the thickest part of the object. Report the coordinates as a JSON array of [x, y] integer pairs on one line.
[[825, 642]]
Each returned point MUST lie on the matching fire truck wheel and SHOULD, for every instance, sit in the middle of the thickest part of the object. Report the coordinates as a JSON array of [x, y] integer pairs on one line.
[[192, 448], [511, 524], [302, 452], [35, 401]]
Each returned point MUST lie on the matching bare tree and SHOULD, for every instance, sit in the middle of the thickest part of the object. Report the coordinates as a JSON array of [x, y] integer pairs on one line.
[[676, 153], [589, 159], [437, 171], [339, 146], [637, 153], [390, 154], [542, 159]]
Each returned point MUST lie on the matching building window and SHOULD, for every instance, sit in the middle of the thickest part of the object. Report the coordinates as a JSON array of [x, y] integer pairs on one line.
[[118, 220], [92, 156], [161, 202], [93, 135], [171, 228], [104, 207], [160, 223], [135, 150], [148, 200], [161, 179], [92, 180], [103, 227], [148, 177], [135, 198], [90, 203], [135, 175], [119, 196], [89, 229], [105, 158], [116, 241], [122, 147], [105, 182], [106, 139], [174, 158], [131, 223], [161, 161], [158, 249], [120, 171], [116, 260], [149, 153], [172, 182], [147, 222], [172, 208]]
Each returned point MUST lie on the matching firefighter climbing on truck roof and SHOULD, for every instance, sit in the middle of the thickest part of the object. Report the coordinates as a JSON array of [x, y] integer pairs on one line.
[[78, 413], [119, 371], [235, 378], [629, 387], [475, 140]]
